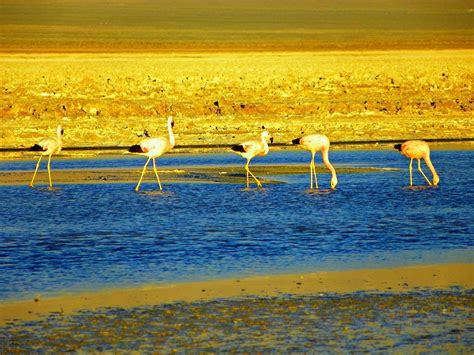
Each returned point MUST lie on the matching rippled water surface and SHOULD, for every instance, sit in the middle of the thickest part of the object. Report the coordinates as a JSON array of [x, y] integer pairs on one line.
[[106, 235]]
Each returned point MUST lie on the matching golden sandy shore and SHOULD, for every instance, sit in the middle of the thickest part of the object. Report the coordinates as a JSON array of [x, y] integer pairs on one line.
[[398, 279]]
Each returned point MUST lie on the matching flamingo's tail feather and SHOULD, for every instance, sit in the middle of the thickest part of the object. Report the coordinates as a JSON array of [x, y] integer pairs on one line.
[[238, 148], [36, 148], [135, 149]]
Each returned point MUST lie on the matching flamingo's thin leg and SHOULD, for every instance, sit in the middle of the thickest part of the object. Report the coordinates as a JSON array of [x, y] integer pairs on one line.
[[49, 171], [315, 178], [36, 170], [411, 172], [422, 173], [143, 173], [259, 184], [311, 171], [156, 173], [247, 173]]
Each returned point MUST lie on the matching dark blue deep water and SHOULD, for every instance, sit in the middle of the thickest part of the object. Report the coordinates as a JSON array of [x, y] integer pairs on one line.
[[85, 237]]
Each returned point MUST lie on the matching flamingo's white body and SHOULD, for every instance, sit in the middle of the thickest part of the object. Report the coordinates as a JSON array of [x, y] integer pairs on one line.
[[154, 148], [416, 149], [48, 146], [315, 143], [251, 149]]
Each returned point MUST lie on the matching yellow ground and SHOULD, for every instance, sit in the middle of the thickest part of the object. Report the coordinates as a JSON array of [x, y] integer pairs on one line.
[[224, 98]]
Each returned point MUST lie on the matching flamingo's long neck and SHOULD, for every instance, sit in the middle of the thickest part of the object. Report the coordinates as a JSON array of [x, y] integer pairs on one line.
[[170, 132], [432, 169], [59, 134], [265, 144], [325, 154]]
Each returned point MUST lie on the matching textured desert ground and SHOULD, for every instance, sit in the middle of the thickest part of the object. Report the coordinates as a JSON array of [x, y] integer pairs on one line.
[[224, 98]]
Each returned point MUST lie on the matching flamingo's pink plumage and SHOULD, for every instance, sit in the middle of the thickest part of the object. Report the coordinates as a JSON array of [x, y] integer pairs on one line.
[[416, 149], [154, 148], [251, 149], [48, 146], [315, 143]]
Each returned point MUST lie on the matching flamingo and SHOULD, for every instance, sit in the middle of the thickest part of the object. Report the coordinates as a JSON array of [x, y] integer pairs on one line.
[[154, 148], [48, 146], [314, 143], [417, 149], [251, 149]]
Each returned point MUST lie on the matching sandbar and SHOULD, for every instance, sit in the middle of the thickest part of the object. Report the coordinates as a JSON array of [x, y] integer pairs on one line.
[[400, 279], [228, 174]]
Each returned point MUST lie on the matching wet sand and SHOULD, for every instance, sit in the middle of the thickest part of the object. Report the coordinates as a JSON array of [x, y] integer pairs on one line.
[[403, 279], [412, 322], [207, 174]]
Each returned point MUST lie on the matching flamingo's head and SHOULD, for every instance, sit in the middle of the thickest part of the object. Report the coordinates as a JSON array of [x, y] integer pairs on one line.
[[170, 121], [265, 135], [435, 180], [333, 182]]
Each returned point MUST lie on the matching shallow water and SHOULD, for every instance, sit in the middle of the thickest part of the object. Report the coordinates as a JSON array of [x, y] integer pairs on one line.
[[362, 158], [84, 237]]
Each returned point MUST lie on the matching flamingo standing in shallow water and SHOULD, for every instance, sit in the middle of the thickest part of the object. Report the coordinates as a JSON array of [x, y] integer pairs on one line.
[[418, 150], [314, 143], [154, 148], [48, 146], [249, 150]]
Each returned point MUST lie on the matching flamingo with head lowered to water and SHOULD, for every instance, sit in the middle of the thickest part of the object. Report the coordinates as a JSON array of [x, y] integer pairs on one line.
[[417, 149], [315, 143]]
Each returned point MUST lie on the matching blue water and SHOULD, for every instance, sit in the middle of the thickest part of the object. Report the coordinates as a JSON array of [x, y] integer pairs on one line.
[[85, 237]]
